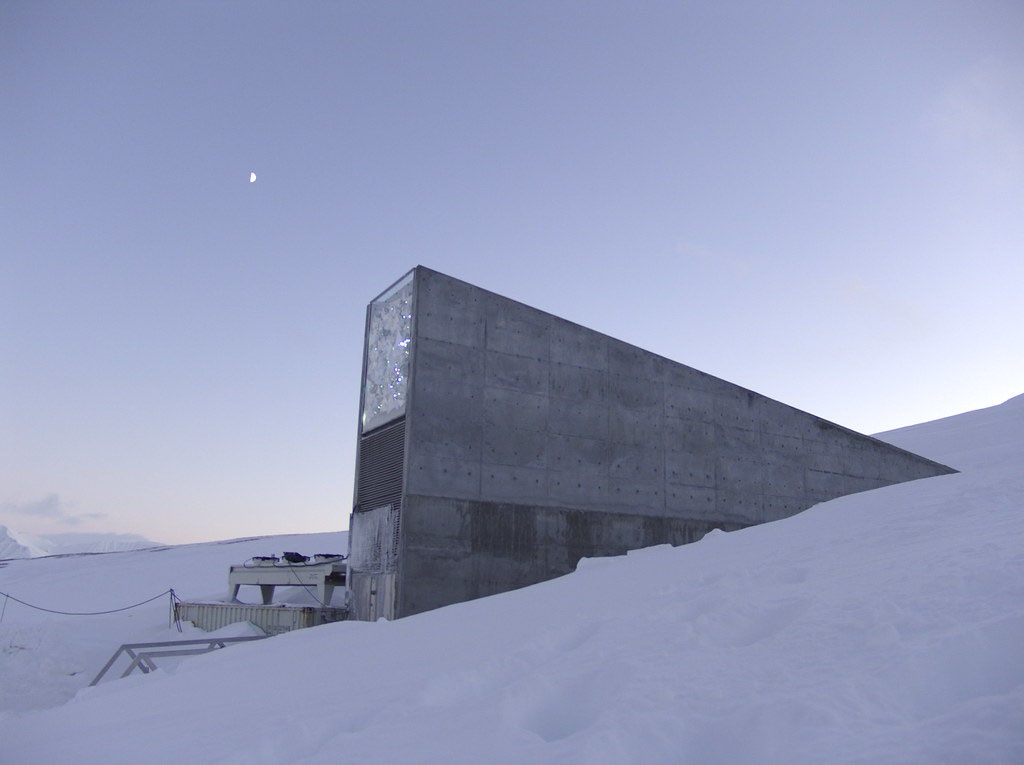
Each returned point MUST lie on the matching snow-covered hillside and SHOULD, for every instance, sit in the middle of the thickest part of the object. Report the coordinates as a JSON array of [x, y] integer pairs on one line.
[[10, 547], [886, 626], [21, 545]]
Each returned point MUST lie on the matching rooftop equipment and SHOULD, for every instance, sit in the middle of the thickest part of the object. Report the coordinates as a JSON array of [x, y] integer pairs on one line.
[[325, 573], [319, 576]]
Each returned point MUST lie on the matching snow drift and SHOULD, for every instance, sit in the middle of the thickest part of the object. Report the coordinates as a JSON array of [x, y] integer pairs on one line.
[[886, 626]]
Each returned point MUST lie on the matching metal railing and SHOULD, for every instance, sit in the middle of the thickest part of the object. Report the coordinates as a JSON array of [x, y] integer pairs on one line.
[[142, 657]]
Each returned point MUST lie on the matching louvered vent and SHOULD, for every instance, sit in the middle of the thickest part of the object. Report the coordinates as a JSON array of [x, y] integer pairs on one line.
[[381, 456]]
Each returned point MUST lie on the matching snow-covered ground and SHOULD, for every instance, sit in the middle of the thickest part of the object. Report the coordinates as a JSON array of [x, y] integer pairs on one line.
[[46, 658], [882, 627]]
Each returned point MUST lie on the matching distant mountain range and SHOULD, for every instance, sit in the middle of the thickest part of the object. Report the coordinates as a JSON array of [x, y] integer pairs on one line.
[[19, 545]]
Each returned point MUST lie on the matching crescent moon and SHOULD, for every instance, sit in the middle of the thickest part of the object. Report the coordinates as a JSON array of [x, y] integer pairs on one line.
[[252, 177]]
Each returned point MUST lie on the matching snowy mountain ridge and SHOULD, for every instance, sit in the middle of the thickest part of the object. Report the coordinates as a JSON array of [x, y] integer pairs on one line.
[[21, 545], [10, 547]]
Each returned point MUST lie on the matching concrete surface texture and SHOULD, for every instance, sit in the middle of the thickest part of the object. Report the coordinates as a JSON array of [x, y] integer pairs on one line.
[[531, 442]]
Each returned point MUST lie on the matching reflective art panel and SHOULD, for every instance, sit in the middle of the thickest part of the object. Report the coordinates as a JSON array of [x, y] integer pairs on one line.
[[388, 348]]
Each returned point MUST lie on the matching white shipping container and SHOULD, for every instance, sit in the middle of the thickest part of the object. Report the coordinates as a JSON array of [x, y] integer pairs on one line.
[[271, 619]]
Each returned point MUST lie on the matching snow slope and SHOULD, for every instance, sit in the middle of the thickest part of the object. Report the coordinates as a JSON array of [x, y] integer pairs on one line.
[[886, 626], [988, 439]]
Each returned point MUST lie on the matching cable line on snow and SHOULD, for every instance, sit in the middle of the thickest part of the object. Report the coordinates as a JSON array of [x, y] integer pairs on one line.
[[85, 613]]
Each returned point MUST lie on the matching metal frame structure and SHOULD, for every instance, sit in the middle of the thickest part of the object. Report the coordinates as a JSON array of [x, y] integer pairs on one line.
[[143, 659]]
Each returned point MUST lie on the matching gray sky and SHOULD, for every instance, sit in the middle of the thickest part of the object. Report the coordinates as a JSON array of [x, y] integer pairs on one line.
[[820, 201]]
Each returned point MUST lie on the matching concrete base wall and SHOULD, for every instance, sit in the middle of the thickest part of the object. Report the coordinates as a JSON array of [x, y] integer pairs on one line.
[[373, 595], [456, 550]]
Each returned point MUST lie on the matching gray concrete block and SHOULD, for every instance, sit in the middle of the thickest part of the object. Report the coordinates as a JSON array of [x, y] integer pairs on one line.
[[504, 408], [636, 496], [783, 480], [635, 393], [831, 434], [824, 484], [738, 409], [631, 426], [730, 439], [503, 533], [459, 439], [577, 383], [449, 310], [739, 507], [577, 418], [578, 489], [786, 426], [739, 473], [689, 469], [577, 454], [435, 523], [574, 345], [779, 419], [690, 502], [689, 404], [516, 329], [636, 462], [525, 448], [629, 361], [783, 450], [510, 483], [819, 458], [456, 400], [520, 373], [437, 362], [433, 474], [689, 436], [429, 582], [683, 376]]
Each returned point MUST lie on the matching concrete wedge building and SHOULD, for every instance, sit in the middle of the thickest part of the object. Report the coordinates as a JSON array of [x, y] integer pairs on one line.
[[499, 444]]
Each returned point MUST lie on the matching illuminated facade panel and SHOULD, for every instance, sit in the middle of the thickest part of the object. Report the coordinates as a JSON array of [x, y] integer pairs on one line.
[[388, 350]]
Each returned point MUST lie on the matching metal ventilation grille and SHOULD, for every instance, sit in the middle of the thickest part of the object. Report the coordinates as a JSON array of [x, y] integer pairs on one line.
[[381, 458]]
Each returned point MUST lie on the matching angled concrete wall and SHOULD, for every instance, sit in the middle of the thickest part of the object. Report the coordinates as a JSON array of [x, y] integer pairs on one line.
[[532, 442]]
